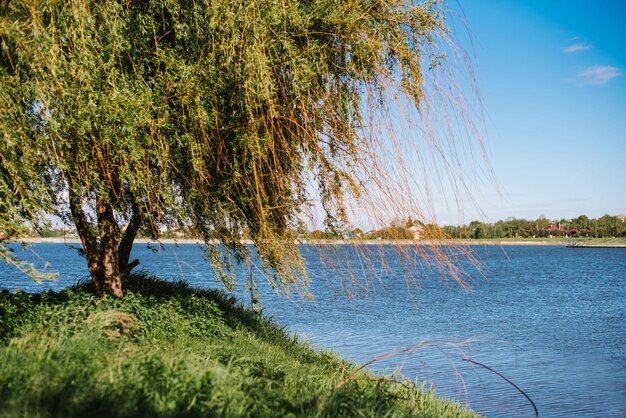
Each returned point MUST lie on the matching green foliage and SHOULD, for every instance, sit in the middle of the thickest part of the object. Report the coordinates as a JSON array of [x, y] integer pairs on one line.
[[581, 227], [208, 115], [168, 350]]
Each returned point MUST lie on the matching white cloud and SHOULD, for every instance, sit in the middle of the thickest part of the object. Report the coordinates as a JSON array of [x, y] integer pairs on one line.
[[574, 48], [598, 75]]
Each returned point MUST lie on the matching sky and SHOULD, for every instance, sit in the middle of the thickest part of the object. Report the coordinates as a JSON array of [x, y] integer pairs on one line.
[[552, 79], [552, 76]]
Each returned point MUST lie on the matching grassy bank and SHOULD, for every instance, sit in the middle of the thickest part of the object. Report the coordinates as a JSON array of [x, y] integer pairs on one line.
[[168, 350]]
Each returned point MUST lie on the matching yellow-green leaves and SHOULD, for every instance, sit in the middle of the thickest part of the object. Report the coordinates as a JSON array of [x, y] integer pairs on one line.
[[207, 115]]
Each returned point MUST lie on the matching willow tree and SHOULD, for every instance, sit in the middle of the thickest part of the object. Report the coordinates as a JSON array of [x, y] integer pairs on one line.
[[212, 115]]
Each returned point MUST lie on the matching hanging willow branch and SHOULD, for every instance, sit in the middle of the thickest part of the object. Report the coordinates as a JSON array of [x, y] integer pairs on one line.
[[218, 117]]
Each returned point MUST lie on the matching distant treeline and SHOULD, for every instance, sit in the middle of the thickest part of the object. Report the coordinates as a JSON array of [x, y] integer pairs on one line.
[[604, 227], [581, 227]]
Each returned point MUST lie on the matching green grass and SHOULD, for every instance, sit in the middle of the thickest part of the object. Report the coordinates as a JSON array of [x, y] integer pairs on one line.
[[168, 350], [602, 240]]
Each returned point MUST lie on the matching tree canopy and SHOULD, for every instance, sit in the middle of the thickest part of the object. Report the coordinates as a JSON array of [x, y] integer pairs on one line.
[[212, 115]]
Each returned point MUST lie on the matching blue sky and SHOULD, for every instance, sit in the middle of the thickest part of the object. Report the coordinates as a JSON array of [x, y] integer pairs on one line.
[[552, 76]]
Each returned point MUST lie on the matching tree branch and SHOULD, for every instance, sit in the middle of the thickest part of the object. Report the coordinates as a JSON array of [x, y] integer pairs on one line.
[[126, 243], [83, 228]]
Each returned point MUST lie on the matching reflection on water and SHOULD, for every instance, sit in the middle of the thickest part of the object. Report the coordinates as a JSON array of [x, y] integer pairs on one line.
[[551, 319]]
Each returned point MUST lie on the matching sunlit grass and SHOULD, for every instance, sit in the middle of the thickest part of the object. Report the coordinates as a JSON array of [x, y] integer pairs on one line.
[[168, 350]]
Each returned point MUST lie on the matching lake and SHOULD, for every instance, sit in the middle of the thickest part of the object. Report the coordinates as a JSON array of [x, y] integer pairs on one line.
[[549, 318]]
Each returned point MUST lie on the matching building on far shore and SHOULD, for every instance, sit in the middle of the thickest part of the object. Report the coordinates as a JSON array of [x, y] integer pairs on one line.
[[416, 229], [557, 227]]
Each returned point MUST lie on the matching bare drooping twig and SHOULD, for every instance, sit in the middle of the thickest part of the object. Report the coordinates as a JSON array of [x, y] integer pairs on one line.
[[507, 380], [424, 343]]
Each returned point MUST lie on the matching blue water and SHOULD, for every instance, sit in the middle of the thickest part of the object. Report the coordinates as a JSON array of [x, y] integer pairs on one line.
[[551, 319]]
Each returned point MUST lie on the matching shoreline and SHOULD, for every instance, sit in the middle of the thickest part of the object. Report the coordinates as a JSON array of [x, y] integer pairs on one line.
[[451, 242]]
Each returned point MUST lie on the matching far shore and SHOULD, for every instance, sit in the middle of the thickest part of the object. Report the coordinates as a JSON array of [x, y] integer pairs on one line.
[[458, 242]]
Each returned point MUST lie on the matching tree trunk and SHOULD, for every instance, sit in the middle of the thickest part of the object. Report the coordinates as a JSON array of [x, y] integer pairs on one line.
[[110, 277], [102, 257], [87, 237]]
